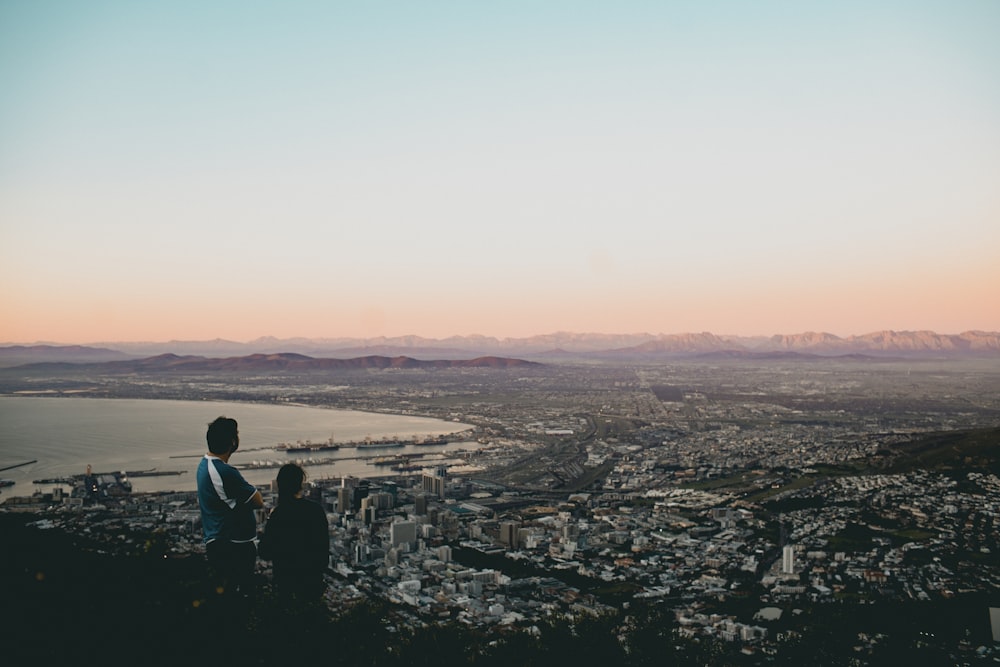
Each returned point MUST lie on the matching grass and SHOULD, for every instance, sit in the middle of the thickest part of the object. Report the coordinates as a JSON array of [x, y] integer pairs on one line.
[[717, 483], [800, 482], [913, 534]]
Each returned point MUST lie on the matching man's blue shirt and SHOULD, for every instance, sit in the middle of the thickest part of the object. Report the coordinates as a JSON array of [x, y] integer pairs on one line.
[[224, 497]]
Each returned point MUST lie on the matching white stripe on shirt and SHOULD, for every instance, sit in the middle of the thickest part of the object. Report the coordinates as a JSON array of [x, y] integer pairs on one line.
[[217, 483]]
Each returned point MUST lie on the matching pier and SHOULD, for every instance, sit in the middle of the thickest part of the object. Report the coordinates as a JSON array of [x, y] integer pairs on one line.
[[19, 465]]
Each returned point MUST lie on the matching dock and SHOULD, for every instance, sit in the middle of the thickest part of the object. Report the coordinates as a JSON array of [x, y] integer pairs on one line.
[[19, 465]]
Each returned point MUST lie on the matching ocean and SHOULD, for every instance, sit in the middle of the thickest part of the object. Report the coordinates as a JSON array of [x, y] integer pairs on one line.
[[65, 435]]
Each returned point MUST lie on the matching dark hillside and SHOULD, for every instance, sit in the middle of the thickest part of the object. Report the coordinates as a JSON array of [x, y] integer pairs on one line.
[[977, 449]]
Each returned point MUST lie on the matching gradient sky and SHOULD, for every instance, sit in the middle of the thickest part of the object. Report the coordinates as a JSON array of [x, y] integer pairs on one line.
[[192, 170]]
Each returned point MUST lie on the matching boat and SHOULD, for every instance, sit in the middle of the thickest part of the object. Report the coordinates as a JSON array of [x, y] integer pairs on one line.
[[258, 465], [431, 441], [7, 482], [267, 464], [390, 460], [379, 444], [308, 447]]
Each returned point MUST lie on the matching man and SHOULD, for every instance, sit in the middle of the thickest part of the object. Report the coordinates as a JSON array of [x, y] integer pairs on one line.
[[227, 504]]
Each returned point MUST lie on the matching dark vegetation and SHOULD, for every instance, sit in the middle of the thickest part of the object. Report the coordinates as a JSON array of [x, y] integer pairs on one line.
[[65, 603], [611, 593], [668, 394], [949, 452]]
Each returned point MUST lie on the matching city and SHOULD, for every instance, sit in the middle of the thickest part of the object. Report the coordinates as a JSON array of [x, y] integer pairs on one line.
[[747, 501], [697, 295]]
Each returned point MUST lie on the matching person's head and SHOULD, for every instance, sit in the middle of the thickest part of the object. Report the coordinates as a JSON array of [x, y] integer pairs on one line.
[[223, 436], [290, 479]]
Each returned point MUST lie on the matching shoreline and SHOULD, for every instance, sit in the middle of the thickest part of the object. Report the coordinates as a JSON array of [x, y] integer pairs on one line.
[[129, 433]]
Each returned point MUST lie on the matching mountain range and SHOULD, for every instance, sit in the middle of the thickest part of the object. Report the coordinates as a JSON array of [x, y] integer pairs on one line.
[[905, 344], [271, 363]]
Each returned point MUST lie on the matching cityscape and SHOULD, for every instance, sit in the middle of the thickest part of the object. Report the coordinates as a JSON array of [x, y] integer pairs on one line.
[[632, 333], [747, 502]]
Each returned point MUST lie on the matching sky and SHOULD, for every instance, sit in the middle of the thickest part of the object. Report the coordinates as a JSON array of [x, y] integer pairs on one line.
[[191, 170]]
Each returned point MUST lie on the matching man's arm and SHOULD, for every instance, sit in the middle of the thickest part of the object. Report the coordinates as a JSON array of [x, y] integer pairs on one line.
[[255, 500]]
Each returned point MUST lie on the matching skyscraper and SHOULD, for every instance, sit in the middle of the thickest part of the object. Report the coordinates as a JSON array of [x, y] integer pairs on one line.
[[509, 533], [343, 500], [433, 484], [403, 532], [788, 559]]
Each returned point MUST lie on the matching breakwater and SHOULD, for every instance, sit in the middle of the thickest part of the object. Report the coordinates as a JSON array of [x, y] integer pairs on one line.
[[19, 465]]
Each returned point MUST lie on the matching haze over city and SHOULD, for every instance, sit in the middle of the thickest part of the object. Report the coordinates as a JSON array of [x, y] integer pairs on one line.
[[191, 171]]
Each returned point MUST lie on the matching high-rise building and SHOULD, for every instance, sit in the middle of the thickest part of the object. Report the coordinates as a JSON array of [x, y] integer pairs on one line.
[[383, 501], [509, 533], [403, 532], [361, 491], [433, 484], [420, 505], [788, 559], [343, 500]]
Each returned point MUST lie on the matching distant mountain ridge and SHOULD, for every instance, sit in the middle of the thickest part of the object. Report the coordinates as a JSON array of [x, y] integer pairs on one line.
[[559, 345], [16, 355], [890, 341], [273, 362]]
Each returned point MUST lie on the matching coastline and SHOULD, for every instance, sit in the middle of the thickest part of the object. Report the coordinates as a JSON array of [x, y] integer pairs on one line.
[[139, 433]]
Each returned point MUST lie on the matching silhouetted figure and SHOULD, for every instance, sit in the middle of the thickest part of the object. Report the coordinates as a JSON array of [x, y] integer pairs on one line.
[[297, 540], [227, 503]]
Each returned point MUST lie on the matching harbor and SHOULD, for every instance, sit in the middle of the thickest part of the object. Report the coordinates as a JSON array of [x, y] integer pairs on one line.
[[169, 435], [309, 447]]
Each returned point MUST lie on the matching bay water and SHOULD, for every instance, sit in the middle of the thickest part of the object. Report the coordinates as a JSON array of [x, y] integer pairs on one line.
[[66, 434]]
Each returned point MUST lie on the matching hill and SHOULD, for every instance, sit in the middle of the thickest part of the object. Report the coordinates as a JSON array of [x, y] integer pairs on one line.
[[809, 346], [271, 363], [887, 343], [977, 449], [17, 355]]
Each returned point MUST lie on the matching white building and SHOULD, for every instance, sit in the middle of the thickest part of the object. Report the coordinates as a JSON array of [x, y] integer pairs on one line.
[[788, 559]]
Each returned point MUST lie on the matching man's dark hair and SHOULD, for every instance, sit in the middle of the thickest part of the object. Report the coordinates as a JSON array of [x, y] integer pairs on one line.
[[223, 436]]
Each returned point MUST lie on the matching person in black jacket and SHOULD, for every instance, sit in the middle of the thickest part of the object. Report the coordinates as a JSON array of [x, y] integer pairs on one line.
[[296, 540]]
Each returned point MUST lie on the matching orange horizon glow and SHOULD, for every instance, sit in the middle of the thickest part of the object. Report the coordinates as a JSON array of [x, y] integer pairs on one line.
[[901, 305]]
